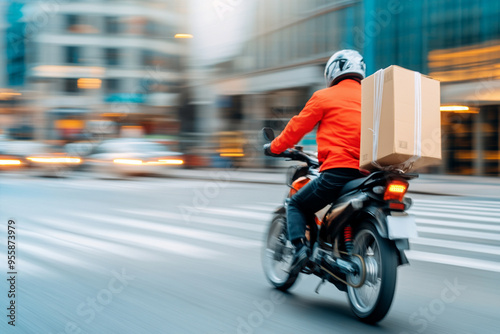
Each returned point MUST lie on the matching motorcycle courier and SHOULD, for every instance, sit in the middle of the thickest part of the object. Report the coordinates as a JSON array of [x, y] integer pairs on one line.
[[357, 243]]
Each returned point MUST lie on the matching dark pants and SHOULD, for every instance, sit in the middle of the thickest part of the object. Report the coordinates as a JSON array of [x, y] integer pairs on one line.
[[315, 196]]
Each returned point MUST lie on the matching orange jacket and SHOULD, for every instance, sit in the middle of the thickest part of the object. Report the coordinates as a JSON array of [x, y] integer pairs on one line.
[[338, 111]]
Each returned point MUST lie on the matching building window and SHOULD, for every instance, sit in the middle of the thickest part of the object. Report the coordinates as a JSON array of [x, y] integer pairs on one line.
[[112, 25], [71, 86], [73, 55], [112, 57], [147, 58], [151, 28], [72, 21], [112, 86]]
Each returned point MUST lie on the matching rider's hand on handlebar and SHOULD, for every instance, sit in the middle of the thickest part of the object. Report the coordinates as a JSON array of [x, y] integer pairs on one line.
[[268, 152]]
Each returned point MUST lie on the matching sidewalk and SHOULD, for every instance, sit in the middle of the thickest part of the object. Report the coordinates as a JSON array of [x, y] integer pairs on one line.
[[446, 185]]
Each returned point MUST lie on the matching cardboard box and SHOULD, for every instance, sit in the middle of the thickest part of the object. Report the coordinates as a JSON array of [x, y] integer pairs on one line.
[[400, 120]]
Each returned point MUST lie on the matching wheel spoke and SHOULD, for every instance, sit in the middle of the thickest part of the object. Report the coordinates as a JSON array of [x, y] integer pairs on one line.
[[365, 244]]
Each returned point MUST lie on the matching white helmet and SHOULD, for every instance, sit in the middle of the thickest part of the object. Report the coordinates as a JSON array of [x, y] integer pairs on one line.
[[345, 63]]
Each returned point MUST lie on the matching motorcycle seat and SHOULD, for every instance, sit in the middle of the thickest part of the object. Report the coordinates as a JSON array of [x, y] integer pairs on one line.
[[353, 185]]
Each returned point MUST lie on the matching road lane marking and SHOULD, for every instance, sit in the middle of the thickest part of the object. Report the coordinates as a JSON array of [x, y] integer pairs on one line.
[[453, 260], [455, 209], [235, 213], [459, 233], [458, 225], [135, 239], [271, 206], [456, 245], [192, 233], [50, 255], [475, 204], [85, 243], [198, 220], [455, 216], [257, 208]]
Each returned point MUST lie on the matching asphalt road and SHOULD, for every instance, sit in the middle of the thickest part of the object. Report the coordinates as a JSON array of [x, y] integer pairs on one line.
[[183, 256]]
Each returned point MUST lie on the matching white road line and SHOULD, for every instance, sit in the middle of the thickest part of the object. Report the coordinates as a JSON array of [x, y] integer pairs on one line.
[[256, 208], [455, 216], [473, 226], [455, 209], [217, 238], [271, 206], [453, 260], [93, 184], [457, 245], [86, 244], [235, 213], [137, 239], [35, 268], [459, 233], [458, 205], [44, 253], [202, 220], [476, 204]]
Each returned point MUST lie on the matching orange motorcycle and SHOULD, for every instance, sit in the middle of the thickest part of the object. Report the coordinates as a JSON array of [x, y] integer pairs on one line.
[[357, 243]]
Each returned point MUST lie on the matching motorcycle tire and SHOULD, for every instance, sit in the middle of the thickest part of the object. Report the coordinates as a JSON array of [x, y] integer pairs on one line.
[[371, 302], [277, 255]]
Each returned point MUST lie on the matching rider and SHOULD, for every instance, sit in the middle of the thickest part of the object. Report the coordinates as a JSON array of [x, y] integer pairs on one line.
[[337, 112]]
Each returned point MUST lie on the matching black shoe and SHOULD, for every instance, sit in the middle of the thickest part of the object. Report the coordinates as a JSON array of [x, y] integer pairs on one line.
[[300, 259]]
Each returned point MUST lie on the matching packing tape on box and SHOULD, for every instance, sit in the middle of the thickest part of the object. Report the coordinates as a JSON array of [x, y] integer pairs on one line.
[[377, 114], [417, 149]]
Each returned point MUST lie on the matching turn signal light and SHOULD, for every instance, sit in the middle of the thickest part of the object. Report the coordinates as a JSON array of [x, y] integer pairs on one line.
[[395, 191]]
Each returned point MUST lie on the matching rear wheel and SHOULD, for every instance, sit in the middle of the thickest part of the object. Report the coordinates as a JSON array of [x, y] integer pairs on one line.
[[277, 255], [372, 300]]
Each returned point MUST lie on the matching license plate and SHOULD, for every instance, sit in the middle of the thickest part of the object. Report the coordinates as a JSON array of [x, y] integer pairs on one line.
[[402, 227]]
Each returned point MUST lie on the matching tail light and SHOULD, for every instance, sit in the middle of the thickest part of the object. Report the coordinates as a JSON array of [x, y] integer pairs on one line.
[[395, 191]]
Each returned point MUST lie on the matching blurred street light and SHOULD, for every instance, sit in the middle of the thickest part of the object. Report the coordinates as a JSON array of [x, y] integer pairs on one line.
[[459, 109], [89, 83], [7, 95], [184, 36]]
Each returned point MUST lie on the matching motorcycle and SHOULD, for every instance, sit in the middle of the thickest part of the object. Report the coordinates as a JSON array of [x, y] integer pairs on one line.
[[357, 243]]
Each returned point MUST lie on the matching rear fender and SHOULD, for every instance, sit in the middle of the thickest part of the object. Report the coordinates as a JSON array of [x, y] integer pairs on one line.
[[379, 219]]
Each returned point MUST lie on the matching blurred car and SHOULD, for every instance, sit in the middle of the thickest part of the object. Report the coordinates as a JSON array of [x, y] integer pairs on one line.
[[126, 157], [39, 158]]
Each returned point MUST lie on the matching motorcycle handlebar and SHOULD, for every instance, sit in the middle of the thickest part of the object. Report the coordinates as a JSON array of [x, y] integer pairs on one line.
[[294, 154]]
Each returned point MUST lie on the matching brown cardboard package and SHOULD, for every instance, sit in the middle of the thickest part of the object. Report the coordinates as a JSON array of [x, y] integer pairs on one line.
[[400, 120]]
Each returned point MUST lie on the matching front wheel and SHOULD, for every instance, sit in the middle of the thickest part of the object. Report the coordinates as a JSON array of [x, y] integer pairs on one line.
[[371, 302], [277, 255]]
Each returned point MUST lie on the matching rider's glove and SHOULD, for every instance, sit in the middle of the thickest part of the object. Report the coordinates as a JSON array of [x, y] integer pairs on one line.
[[267, 150]]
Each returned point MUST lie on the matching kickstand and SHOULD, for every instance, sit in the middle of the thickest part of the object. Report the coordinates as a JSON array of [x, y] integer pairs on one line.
[[319, 285]]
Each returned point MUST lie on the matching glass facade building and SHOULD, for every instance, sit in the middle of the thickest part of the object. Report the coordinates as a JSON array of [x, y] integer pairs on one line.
[[15, 45]]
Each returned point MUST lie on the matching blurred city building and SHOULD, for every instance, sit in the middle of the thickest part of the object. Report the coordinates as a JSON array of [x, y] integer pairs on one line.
[[14, 117], [80, 69], [95, 68], [278, 63]]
